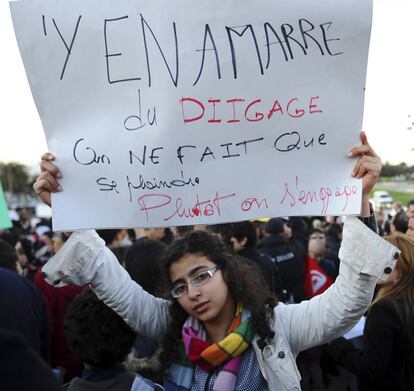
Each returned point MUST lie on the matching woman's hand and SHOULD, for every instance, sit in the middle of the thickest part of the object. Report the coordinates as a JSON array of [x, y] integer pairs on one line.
[[46, 183], [367, 168]]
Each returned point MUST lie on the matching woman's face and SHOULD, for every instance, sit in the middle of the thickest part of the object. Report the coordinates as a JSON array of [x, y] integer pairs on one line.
[[21, 255], [47, 241], [154, 233], [210, 302], [57, 242]]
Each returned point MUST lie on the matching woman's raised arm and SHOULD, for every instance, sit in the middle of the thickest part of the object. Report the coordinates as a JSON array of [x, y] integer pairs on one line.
[[84, 259]]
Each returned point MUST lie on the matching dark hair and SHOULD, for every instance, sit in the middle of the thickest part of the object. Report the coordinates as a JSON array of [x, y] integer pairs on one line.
[[96, 334], [245, 229], [143, 263], [28, 248], [245, 285], [400, 222], [11, 236], [7, 256], [49, 234], [411, 202], [183, 229], [223, 230], [131, 234], [275, 226], [168, 236], [108, 235], [334, 230]]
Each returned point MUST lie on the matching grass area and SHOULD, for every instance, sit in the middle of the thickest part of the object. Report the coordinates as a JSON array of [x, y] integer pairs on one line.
[[399, 196]]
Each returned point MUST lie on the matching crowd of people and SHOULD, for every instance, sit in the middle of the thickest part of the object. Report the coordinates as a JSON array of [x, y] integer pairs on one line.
[[252, 305]]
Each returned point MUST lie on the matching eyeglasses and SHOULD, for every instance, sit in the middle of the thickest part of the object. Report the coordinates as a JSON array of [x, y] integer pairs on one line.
[[198, 280]]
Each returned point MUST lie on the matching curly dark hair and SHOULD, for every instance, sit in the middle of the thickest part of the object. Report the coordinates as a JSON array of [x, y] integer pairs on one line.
[[96, 334], [244, 281]]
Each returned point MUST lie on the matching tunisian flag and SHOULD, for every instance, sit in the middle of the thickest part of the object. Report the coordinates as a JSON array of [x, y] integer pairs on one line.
[[316, 279]]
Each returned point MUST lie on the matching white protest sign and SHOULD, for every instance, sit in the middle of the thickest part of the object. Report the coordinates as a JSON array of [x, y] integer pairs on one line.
[[164, 113]]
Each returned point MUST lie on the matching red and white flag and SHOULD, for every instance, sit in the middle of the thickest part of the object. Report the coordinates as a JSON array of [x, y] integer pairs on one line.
[[316, 279]]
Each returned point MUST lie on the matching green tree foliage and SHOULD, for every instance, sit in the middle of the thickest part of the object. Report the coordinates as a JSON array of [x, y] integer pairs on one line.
[[14, 178], [389, 170]]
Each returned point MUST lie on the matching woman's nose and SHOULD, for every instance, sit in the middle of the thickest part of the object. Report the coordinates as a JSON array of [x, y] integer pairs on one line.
[[193, 291]]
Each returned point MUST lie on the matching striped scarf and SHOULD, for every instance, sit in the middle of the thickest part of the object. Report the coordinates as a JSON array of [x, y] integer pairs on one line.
[[196, 351]]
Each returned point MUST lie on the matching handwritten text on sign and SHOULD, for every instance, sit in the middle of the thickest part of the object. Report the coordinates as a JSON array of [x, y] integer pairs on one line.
[[180, 112]]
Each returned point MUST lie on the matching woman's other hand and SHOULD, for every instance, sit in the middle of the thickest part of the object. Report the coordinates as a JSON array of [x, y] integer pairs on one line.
[[367, 168]]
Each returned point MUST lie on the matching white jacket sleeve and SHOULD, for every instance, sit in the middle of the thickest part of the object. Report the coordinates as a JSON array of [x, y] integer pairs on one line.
[[365, 257], [84, 259]]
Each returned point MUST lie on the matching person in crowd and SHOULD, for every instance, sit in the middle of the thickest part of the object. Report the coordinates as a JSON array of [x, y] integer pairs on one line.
[[387, 359], [244, 241], [58, 240], [399, 222], [410, 228], [333, 238], [143, 263], [286, 247], [387, 225], [218, 303], [102, 340], [21, 367], [410, 209], [24, 224], [396, 208], [259, 225], [57, 302], [320, 273], [43, 247], [181, 230], [23, 310], [10, 235], [131, 236], [223, 232], [164, 235], [115, 240], [8, 258], [317, 252], [380, 215], [26, 258]]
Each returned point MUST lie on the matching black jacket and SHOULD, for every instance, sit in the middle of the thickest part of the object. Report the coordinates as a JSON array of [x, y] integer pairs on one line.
[[289, 258], [21, 368], [387, 361], [23, 310]]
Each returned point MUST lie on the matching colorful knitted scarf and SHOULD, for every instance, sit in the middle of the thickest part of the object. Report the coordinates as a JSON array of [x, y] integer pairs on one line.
[[196, 351]]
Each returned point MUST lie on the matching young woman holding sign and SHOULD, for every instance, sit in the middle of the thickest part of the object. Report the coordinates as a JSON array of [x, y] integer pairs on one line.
[[222, 329]]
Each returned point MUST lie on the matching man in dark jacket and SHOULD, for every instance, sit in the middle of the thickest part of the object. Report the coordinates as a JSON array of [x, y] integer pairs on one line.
[[23, 311], [21, 368], [286, 247]]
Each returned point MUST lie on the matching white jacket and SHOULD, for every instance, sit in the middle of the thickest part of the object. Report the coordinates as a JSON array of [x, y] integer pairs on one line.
[[365, 257]]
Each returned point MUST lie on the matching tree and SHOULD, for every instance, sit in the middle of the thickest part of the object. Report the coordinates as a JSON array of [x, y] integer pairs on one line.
[[389, 170], [14, 177]]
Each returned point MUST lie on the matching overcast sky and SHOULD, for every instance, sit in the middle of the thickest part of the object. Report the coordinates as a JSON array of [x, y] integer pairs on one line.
[[388, 106]]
